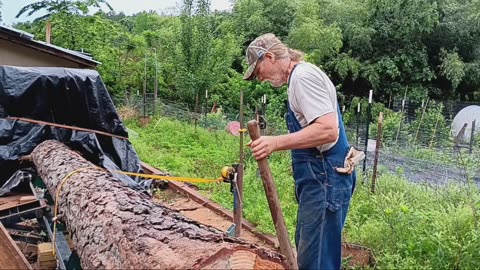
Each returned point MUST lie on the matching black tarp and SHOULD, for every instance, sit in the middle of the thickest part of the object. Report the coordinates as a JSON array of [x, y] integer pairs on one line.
[[73, 97]]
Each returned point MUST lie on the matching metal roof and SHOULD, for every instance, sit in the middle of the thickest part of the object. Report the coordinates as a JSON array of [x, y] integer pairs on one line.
[[41, 44]]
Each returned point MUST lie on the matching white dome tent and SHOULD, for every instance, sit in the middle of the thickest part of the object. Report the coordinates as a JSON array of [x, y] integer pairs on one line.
[[464, 118]]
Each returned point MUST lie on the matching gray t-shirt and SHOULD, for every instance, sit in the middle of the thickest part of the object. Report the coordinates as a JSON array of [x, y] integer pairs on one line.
[[311, 94]]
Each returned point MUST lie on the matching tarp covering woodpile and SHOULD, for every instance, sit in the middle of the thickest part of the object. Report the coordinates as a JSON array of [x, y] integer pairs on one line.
[[73, 97]]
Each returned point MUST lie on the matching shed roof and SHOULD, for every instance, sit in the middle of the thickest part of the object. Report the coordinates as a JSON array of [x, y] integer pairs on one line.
[[23, 38]]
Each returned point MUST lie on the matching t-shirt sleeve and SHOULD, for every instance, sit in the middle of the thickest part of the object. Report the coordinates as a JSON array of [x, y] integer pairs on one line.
[[313, 97]]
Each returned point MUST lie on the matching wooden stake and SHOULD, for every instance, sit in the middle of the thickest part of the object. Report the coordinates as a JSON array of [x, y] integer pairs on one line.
[[273, 202], [377, 150], [472, 137]]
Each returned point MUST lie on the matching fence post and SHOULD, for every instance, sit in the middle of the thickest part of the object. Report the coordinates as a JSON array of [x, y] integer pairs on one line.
[[358, 123], [238, 208], [377, 150], [195, 117], [402, 111], [206, 108], [145, 89], [369, 118], [472, 136]]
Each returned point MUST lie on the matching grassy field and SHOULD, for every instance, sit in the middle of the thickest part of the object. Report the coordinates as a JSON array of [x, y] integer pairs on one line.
[[408, 226]]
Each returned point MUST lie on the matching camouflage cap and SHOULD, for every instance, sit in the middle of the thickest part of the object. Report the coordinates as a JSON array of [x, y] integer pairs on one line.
[[256, 50]]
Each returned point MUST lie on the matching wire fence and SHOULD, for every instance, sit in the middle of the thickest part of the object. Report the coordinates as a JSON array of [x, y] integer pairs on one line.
[[417, 138], [432, 142]]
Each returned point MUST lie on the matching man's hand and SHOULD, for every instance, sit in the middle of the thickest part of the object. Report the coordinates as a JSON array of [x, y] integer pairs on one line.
[[263, 146]]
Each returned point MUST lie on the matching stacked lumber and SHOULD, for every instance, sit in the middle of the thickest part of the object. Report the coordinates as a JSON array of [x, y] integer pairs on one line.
[[45, 257]]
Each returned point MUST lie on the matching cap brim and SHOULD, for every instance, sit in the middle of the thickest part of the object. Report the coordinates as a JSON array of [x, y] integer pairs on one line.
[[249, 73]]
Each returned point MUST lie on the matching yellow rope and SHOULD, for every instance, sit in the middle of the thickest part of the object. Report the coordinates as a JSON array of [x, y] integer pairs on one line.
[[151, 176], [171, 178]]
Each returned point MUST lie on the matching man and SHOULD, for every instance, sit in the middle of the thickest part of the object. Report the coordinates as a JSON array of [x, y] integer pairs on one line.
[[324, 176]]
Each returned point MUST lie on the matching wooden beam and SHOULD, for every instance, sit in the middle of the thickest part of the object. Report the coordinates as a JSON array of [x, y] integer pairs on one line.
[[10, 255]]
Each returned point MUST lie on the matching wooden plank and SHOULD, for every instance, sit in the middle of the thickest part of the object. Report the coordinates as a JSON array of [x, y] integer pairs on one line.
[[66, 127], [15, 201], [10, 255]]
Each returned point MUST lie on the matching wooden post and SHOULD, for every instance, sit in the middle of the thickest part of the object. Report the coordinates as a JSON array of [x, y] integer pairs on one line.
[[206, 107], [273, 202], [472, 137], [145, 88], [10, 255], [237, 213], [48, 32], [402, 111], [377, 151], [196, 111], [155, 92]]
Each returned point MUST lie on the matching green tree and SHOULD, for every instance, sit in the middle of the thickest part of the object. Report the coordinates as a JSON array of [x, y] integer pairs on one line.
[[62, 6], [206, 58], [255, 17], [310, 34]]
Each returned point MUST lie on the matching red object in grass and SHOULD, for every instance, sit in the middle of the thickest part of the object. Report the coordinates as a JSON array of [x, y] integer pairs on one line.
[[234, 128]]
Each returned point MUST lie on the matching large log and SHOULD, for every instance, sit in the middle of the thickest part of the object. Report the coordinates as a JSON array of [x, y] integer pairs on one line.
[[113, 226]]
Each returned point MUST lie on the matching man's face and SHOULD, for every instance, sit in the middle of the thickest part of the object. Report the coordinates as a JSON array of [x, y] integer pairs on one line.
[[268, 70]]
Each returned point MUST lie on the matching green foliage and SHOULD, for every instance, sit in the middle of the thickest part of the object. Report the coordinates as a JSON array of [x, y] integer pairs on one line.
[[452, 67], [255, 17], [429, 127], [416, 227], [391, 129], [52, 7], [310, 34], [198, 151]]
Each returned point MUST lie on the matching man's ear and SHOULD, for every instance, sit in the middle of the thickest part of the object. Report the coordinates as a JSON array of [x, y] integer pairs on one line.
[[270, 56]]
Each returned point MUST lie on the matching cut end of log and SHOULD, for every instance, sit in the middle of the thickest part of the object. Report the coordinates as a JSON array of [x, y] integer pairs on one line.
[[239, 258], [27, 158]]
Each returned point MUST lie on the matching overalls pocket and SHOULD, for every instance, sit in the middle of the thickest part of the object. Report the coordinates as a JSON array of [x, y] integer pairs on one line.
[[340, 185]]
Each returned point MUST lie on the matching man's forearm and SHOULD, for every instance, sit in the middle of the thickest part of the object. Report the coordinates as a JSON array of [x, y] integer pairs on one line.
[[311, 136]]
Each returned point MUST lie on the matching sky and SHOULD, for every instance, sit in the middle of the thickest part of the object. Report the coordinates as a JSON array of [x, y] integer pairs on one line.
[[10, 8]]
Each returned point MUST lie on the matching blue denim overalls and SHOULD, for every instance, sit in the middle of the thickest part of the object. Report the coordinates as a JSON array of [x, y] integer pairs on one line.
[[323, 196]]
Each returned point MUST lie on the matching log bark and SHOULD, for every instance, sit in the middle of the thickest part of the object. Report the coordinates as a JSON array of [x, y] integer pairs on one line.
[[113, 226]]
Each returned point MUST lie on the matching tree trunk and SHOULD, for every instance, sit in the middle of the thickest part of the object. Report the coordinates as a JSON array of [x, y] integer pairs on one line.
[[113, 226]]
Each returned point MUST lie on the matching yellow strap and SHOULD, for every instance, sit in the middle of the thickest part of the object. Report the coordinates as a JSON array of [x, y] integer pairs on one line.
[[170, 178], [242, 130]]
